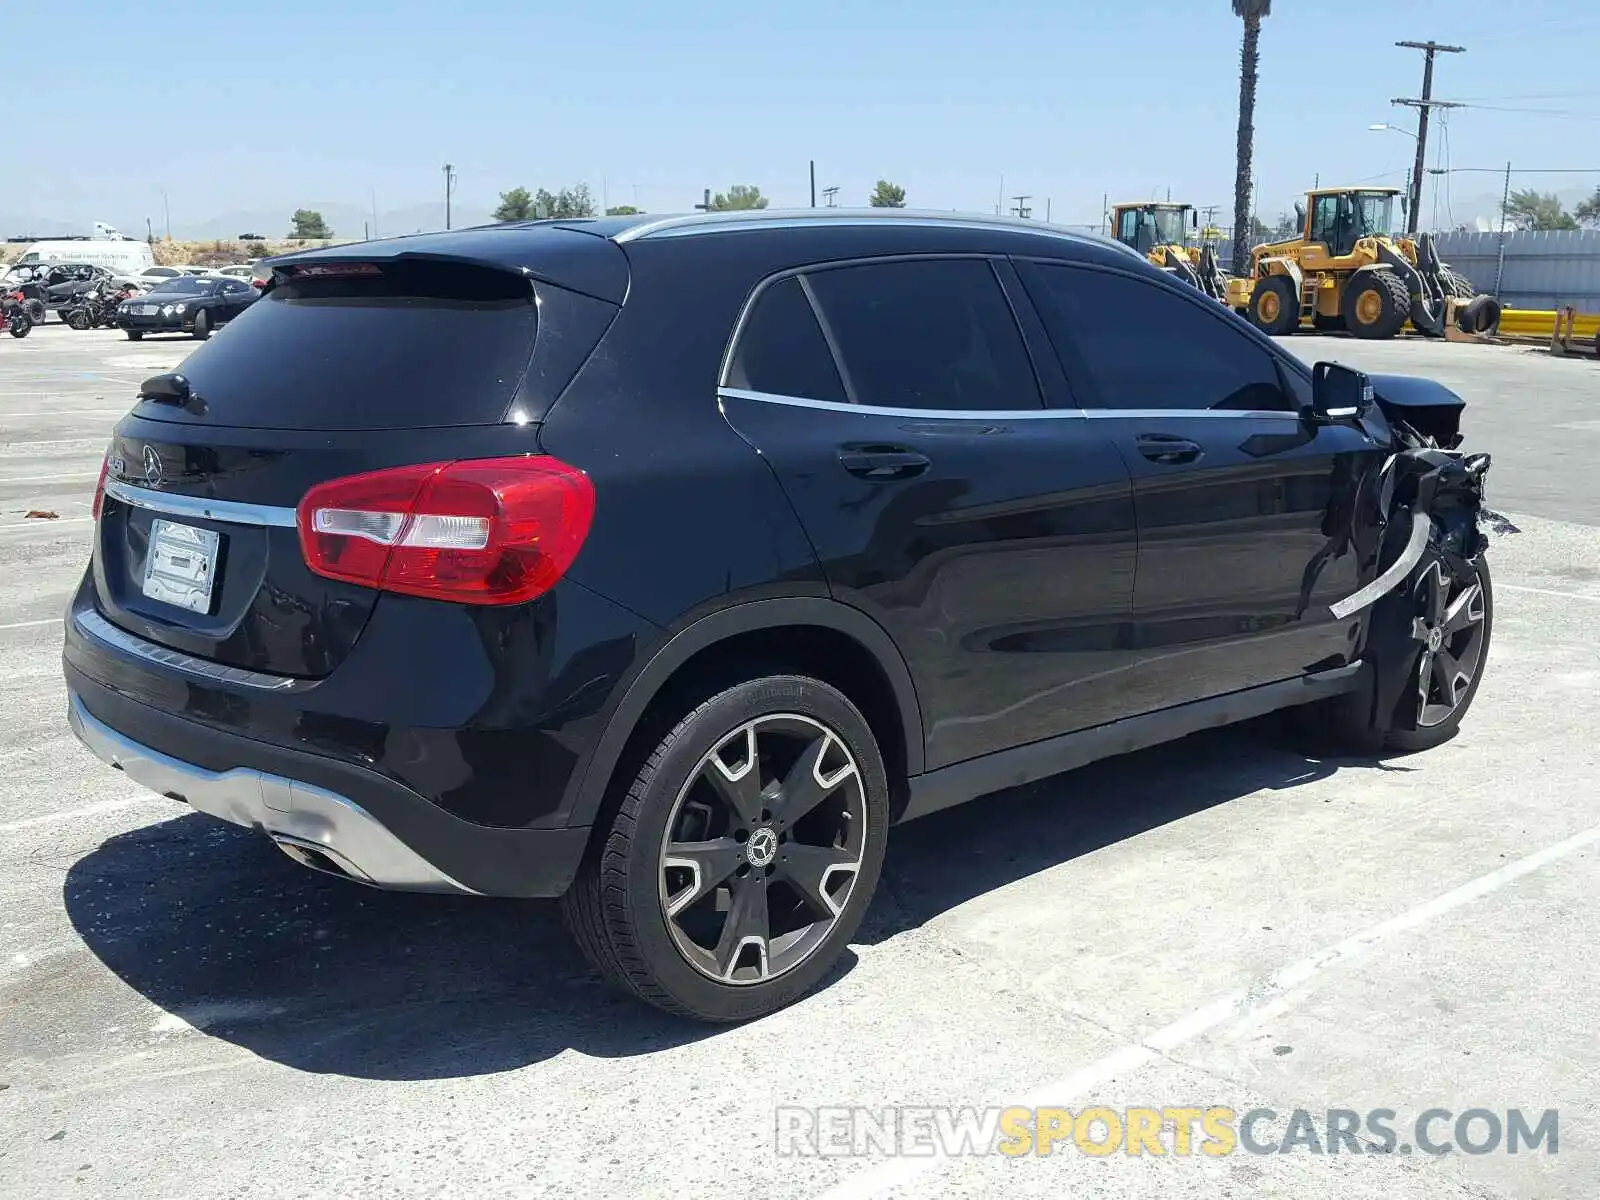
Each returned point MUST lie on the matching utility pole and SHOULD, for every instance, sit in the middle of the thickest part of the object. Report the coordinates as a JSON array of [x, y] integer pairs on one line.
[[1047, 210], [705, 205], [449, 186], [813, 183], [166, 211], [1423, 104], [1500, 256], [828, 194], [1022, 210]]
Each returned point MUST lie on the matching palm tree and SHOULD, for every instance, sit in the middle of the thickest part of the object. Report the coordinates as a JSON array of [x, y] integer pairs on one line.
[[1250, 12]]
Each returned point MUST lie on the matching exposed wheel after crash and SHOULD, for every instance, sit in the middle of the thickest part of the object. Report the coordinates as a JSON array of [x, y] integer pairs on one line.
[[663, 565]]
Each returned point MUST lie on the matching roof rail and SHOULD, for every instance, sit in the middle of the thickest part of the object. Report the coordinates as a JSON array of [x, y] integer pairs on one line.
[[691, 224]]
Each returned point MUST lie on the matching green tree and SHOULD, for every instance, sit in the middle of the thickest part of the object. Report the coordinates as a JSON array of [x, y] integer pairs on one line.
[[739, 196], [887, 195], [568, 202], [1251, 13], [515, 205], [307, 223], [1588, 210], [1286, 228], [1539, 210], [623, 210], [1260, 232]]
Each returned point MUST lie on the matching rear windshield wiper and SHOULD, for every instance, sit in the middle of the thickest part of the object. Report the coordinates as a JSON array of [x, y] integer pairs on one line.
[[172, 388]]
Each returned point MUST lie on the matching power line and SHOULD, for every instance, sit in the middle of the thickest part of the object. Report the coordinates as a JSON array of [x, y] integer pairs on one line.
[[1424, 106]]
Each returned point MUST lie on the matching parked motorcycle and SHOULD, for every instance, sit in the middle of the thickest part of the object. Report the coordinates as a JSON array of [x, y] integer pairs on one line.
[[14, 314], [96, 308]]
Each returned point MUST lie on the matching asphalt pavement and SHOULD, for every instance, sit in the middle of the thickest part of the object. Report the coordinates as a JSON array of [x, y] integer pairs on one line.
[[1230, 922]]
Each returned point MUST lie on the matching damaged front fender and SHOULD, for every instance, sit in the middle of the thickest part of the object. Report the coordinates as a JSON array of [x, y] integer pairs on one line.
[[1424, 511]]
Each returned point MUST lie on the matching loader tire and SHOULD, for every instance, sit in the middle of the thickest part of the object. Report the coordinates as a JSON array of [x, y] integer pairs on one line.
[[1274, 307], [1376, 304], [1456, 284]]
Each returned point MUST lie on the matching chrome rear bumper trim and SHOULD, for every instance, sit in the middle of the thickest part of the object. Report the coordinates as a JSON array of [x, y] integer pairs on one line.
[[297, 812], [93, 625]]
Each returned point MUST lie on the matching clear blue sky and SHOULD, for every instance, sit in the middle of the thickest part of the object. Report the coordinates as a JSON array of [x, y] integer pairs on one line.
[[246, 106]]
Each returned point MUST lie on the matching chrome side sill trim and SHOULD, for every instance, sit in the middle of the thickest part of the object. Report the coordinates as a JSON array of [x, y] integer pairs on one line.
[[298, 813], [93, 625], [231, 511]]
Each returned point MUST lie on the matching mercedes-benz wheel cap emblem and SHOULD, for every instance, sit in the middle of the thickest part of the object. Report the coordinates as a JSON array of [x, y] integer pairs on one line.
[[762, 847], [152, 466]]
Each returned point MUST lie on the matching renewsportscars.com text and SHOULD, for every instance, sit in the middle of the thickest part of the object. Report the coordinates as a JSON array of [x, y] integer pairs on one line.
[[1166, 1131]]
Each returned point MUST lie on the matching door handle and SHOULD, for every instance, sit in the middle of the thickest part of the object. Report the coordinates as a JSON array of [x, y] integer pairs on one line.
[[883, 462], [1168, 448]]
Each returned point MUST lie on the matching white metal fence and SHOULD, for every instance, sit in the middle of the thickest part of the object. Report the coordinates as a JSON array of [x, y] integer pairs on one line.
[[1535, 270]]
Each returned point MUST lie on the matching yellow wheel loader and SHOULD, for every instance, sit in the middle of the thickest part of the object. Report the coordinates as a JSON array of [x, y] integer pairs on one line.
[[1160, 232], [1349, 270]]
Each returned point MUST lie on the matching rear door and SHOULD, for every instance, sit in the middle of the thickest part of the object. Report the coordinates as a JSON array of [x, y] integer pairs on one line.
[[992, 538], [1241, 501]]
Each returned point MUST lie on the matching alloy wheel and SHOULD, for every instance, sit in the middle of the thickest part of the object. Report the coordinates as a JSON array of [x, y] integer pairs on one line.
[[1451, 630], [763, 848]]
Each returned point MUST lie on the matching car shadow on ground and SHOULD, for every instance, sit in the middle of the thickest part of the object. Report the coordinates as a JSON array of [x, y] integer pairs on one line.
[[214, 925]]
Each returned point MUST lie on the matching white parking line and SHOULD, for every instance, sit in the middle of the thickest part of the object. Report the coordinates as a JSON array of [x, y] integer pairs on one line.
[[71, 475], [32, 624], [45, 522], [1532, 591], [1226, 1010], [88, 810]]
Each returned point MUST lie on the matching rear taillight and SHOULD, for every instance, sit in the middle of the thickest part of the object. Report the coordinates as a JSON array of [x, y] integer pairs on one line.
[[100, 487], [477, 531]]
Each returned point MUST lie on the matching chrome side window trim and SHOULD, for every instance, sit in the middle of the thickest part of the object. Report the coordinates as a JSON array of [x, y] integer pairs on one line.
[[1157, 414], [990, 414], [921, 414], [93, 625], [196, 506]]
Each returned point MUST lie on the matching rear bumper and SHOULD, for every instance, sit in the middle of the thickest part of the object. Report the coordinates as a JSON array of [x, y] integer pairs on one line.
[[328, 815]]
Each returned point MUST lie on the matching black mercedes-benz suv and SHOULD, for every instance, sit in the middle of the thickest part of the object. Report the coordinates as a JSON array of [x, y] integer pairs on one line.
[[662, 564]]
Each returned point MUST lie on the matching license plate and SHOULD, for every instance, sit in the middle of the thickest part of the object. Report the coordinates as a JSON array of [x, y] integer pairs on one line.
[[181, 565], [144, 310]]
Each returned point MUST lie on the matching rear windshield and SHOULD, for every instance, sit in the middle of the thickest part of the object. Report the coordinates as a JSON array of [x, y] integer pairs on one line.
[[405, 346]]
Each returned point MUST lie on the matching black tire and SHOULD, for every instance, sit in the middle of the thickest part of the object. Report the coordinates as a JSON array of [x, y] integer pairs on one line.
[[617, 907], [1346, 722], [78, 318], [36, 310], [134, 334], [1375, 304], [1480, 316], [19, 325], [202, 325], [1274, 306]]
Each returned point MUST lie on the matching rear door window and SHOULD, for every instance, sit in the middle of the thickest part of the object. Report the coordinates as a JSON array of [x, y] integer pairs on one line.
[[926, 334], [409, 345]]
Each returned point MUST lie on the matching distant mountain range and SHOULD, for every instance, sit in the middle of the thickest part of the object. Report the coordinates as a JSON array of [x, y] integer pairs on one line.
[[346, 220]]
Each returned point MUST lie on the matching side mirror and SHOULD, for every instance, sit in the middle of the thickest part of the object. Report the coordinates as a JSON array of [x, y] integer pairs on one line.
[[1339, 393]]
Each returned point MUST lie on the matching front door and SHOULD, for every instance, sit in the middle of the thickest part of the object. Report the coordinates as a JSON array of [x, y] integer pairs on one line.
[[993, 539], [1240, 500]]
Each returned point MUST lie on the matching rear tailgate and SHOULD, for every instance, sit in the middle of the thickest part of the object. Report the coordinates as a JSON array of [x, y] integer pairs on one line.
[[197, 548]]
